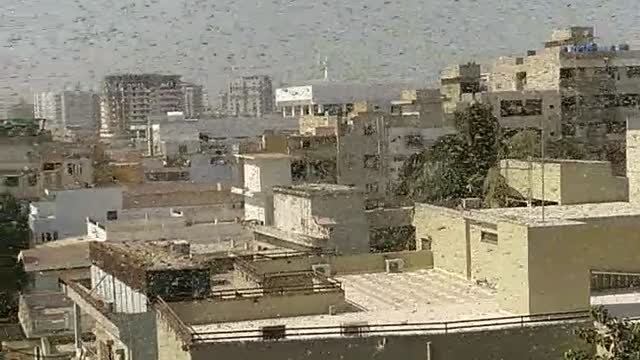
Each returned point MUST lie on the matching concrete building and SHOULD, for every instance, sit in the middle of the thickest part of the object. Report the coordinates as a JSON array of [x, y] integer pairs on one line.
[[373, 147], [592, 83], [249, 96], [459, 85], [126, 328], [318, 217], [21, 110], [331, 98], [311, 306], [129, 100], [195, 102], [261, 172], [68, 111], [63, 213], [44, 311], [551, 258], [566, 182]]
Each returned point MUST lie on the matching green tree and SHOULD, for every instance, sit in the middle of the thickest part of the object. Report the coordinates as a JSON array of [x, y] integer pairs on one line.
[[14, 237], [613, 339], [455, 166]]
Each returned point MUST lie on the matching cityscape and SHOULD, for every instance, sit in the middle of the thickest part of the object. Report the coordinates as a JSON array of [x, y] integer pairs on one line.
[[490, 215]]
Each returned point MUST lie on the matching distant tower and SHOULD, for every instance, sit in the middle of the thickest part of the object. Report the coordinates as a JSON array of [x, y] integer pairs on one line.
[[325, 68]]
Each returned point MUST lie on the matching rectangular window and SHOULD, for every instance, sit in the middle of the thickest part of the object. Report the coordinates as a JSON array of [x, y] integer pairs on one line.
[[371, 161], [511, 108], [532, 107], [372, 187], [519, 61], [112, 215], [32, 179], [567, 73], [12, 181], [633, 71], [414, 140], [488, 237], [369, 129]]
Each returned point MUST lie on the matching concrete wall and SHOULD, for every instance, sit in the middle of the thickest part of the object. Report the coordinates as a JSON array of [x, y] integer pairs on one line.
[[566, 182], [534, 343], [447, 230], [349, 264], [74, 206], [210, 311], [188, 197], [169, 345], [561, 258]]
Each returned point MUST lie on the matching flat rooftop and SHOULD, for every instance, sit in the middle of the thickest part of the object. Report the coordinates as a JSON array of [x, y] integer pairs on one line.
[[150, 255], [399, 298], [263, 156], [555, 214], [70, 253], [315, 189]]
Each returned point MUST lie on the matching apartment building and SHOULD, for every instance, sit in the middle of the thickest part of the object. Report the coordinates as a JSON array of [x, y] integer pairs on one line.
[[68, 111], [574, 85], [249, 96], [195, 100], [128, 101]]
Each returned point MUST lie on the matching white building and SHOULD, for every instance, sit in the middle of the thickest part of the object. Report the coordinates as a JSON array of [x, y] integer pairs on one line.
[[261, 173], [333, 98], [67, 110]]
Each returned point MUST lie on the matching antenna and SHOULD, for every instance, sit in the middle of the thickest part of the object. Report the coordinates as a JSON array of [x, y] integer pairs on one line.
[[325, 68]]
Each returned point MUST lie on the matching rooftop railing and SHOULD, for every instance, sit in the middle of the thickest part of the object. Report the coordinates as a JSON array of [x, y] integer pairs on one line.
[[427, 328]]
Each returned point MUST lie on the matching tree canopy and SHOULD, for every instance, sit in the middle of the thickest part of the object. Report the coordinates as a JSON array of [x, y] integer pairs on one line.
[[455, 166], [14, 237], [614, 339]]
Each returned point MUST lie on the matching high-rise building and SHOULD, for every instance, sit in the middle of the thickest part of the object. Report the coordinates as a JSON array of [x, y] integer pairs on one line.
[[67, 110], [128, 100], [249, 96], [194, 100]]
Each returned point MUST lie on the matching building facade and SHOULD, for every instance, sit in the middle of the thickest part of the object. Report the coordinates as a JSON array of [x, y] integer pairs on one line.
[[68, 110], [249, 96], [130, 100]]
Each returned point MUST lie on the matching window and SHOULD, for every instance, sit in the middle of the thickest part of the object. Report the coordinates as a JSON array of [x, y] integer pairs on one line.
[[32, 179], [521, 80], [182, 149], [70, 169], [11, 181], [567, 73], [426, 243], [510, 108], [369, 129], [488, 237], [372, 187], [414, 140], [112, 215], [533, 107], [55, 235], [633, 71], [371, 161], [519, 61]]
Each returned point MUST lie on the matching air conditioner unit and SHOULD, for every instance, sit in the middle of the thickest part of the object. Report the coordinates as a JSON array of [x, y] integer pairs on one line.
[[357, 328], [394, 265], [274, 332], [322, 269]]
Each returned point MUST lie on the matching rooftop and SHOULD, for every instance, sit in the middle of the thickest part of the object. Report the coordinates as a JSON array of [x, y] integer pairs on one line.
[[315, 189], [556, 214], [399, 298], [263, 156], [148, 255], [62, 254]]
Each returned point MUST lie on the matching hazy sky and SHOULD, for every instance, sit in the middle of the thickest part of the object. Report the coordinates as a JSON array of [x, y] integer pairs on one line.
[[47, 43]]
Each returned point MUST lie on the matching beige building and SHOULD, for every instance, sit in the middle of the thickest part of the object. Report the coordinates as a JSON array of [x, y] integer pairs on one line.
[[551, 258], [318, 217], [592, 84], [459, 84], [566, 182]]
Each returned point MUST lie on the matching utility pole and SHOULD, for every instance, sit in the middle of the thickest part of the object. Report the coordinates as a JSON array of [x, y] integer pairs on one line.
[[542, 154]]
